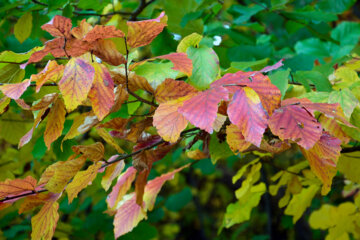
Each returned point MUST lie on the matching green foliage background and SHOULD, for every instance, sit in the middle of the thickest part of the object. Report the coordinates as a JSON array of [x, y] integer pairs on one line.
[[312, 36]]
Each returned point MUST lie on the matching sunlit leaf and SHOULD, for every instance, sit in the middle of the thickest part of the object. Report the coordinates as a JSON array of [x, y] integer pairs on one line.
[[55, 122]]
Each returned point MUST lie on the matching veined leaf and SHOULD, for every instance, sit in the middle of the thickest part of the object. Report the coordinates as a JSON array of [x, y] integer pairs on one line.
[[15, 90], [112, 172], [236, 139], [17, 186], [94, 152], [171, 89], [55, 123], [76, 82], [44, 223]]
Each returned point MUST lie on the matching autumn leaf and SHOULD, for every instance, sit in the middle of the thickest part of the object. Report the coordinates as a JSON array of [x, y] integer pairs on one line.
[[142, 33], [94, 152], [59, 26], [322, 158], [81, 124], [201, 110], [235, 139], [246, 111], [135, 82], [118, 124], [101, 93], [55, 123], [76, 82], [81, 180], [334, 128], [273, 67], [293, 122], [121, 187], [44, 223], [128, 215], [63, 172], [109, 139], [181, 62], [112, 172], [106, 50], [171, 89], [44, 102], [269, 94], [168, 121], [17, 186], [51, 73], [121, 95], [103, 32], [36, 200], [27, 137], [15, 90], [4, 102]]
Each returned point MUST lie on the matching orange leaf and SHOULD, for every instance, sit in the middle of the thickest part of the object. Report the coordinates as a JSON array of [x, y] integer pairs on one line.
[[181, 62], [14, 187], [295, 123], [112, 172], [333, 128], [121, 95], [196, 154], [81, 180], [102, 32], [55, 123], [140, 183], [135, 82], [235, 139], [246, 111], [94, 152], [59, 26], [118, 124], [44, 223], [322, 158], [62, 173], [171, 89], [201, 110], [33, 201], [121, 187], [15, 90], [275, 146], [142, 33], [138, 128], [51, 73], [76, 82], [168, 121], [102, 91], [106, 50]]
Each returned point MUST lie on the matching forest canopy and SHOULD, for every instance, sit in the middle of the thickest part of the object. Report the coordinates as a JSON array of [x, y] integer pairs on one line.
[[192, 119]]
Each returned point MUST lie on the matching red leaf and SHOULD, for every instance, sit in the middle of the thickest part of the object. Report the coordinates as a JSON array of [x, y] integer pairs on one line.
[[15, 90], [246, 111], [295, 123], [201, 110], [142, 33], [59, 26], [181, 62]]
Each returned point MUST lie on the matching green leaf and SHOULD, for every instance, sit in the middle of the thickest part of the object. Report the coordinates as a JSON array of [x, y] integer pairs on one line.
[[346, 99], [11, 73], [347, 33], [278, 4], [191, 40], [280, 80], [244, 13], [254, 65], [218, 150], [156, 73], [179, 200], [23, 26], [314, 77], [132, 107], [9, 56], [335, 6], [311, 15], [348, 165], [205, 66]]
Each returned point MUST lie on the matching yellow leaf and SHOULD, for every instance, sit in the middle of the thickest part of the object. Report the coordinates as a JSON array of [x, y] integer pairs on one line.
[[81, 124], [112, 172], [44, 223], [191, 40], [81, 180], [63, 173], [300, 202], [55, 123], [23, 26], [94, 152], [109, 139]]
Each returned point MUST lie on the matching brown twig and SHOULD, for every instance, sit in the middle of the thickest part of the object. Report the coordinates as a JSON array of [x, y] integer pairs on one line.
[[127, 80]]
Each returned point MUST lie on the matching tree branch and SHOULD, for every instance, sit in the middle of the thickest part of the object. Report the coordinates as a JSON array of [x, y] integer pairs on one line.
[[127, 80]]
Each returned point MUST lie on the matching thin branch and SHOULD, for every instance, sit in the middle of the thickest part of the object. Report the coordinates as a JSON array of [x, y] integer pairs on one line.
[[123, 157], [34, 84], [143, 4], [127, 81], [351, 149], [40, 3]]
